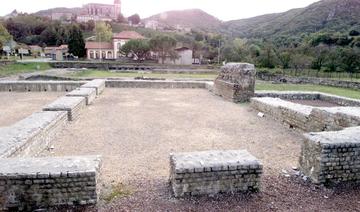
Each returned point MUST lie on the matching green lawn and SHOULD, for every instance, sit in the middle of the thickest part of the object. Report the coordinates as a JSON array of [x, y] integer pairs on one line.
[[107, 74], [20, 68], [326, 89]]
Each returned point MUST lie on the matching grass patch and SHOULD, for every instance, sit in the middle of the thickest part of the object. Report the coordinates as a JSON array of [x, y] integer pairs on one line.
[[319, 88], [20, 68], [107, 74], [117, 191]]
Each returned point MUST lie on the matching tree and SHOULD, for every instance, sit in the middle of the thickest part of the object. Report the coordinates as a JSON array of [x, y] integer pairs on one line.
[[350, 60], [164, 46], [55, 34], [138, 48], [319, 54], [76, 41], [134, 19], [300, 62], [267, 56], [4, 36], [103, 32], [285, 59]]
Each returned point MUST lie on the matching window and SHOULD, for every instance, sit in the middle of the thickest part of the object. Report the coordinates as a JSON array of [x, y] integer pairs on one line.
[[92, 55]]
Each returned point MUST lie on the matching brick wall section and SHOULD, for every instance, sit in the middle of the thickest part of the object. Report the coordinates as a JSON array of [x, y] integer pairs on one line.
[[236, 82], [331, 157], [39, 183], [31, 135], [213, 172], [71, 105]]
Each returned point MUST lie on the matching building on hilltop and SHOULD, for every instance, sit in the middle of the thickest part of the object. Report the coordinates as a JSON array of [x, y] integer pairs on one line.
[[110, 50], [100, 12]]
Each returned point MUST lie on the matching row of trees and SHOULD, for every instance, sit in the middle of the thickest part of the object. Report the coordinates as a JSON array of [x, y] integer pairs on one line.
[[140, 49]]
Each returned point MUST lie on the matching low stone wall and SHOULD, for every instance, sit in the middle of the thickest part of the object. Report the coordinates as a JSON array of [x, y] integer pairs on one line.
[[332, 157], [116, 65], [48, 182], [31, 135], [307, 80], [39, 86], [97, 84], [213, 172], [71, 105], [289, 95], [159, 84], [296, 115], [88, 93], [308, 118]]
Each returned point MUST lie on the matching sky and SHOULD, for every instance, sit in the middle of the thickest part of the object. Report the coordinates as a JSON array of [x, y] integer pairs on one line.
[[224, 9]]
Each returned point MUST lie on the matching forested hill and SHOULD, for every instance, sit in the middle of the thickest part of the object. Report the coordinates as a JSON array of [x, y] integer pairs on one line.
[[49, 12], [326, 15], [194, 18]]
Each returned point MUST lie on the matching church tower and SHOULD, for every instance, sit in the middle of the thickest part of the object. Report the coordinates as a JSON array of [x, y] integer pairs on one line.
[[117, 8]]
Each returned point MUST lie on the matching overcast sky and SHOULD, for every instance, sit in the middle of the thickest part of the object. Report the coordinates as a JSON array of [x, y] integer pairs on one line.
[[223, 9]]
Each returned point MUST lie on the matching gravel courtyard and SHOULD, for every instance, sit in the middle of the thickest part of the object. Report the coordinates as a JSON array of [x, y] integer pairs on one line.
[[135, 130], [16, 106]]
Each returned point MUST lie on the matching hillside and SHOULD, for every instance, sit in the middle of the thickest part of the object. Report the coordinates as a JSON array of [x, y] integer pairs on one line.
[[194, 18], [49, 12], [325, 15]]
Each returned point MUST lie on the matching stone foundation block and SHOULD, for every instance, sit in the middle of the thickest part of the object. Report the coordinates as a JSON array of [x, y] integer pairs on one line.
[[28, 184], [98, 84], [332, 157], [88, 93], [72, 105], [213, 172], [236, 82], [31, 135]]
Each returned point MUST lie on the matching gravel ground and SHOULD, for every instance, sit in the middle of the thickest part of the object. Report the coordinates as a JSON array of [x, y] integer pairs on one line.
[[135, 130], [16, 106]]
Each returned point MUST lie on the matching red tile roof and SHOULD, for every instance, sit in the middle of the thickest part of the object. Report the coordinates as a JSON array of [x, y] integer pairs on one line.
[[128, 35], [99, 45]]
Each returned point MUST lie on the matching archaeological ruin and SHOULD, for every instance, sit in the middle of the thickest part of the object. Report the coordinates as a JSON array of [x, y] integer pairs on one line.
[[189, 135]]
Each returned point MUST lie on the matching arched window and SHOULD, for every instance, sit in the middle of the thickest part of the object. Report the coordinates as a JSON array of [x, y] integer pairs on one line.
[[92, 55], [97, 55], [110, 55], [103, 55]]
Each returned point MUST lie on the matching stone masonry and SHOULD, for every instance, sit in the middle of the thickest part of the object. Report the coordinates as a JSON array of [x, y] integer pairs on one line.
[[88, 93], [331, 157], [98, 84], [27, 184], [31, 135], [308, 118], [72, 105], [236, 82], [213, 172]]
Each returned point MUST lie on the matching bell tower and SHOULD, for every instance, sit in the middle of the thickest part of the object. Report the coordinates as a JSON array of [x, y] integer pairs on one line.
[[117, 8]]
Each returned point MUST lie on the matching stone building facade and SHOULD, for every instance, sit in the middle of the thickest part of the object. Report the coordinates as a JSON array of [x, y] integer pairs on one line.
[[100, 12], [110, 50]]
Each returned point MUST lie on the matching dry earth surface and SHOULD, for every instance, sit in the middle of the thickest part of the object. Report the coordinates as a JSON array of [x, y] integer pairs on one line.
[[16, 106], [135, 130]]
